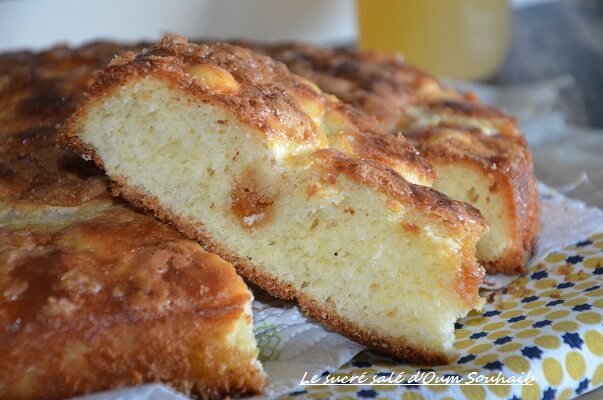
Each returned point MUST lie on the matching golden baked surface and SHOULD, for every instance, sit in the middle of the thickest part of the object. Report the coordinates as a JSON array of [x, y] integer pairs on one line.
[[449, 129], [114, 300], [94, 295], [38, 90], [265, 95], [375, 82], [296, 189]]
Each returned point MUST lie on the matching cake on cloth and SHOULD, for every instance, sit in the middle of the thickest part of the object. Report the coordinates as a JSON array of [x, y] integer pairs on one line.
[[306, 196]]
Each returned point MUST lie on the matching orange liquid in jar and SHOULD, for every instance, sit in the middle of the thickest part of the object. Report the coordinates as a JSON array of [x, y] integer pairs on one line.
[[459, 39]]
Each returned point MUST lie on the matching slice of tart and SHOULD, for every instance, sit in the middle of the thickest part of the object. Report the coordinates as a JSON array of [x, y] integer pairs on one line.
[[307, 197]]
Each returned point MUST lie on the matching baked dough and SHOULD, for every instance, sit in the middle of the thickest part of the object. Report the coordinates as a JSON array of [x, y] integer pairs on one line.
[[308, 197]]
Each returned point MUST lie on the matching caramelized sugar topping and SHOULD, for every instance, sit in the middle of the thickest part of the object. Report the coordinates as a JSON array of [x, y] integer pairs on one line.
[[118, 264]]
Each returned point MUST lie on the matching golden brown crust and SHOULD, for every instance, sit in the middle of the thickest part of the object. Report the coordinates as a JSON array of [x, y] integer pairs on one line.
[[401, 96], [160, 353], [374, 82], [266, 97], [159, 274], [51, 177], [39, 90], [255, 274], [382, 85], [82, 274], [99, 284]]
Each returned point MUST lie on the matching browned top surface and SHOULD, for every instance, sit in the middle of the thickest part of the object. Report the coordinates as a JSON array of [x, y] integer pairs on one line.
[[116, 266], [382, 85], [495, 152], [70, 255], [39, 90], [49, 176], [266, 95], [378, 83]]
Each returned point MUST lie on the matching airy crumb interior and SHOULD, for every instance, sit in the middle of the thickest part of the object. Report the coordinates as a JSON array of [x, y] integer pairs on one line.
[[466, 184]]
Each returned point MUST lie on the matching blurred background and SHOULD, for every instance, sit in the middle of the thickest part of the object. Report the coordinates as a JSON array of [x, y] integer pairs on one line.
[[540, 60]]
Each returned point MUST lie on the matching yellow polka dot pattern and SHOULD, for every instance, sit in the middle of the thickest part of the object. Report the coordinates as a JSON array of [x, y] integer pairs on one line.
[[547, 324]]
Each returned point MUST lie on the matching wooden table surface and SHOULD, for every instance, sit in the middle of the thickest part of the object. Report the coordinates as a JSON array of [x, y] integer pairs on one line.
[[560, 38]]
